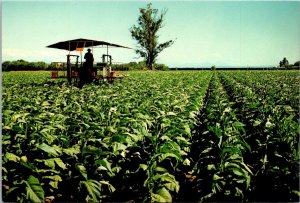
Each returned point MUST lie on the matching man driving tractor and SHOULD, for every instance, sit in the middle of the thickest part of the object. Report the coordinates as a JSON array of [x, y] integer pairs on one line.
[[86, 72]]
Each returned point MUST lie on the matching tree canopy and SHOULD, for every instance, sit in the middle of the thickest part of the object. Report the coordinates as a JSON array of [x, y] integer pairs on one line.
[[284, 62], [25, 65], [146, 34]]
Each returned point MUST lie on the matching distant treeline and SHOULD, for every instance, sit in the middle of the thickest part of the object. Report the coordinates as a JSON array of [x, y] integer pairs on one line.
[[284, 65], [256, 68], [289, 67], [25, 65], [138, 66]]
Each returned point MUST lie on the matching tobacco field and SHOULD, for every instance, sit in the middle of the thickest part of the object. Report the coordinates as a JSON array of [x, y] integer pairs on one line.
[[154, 136]]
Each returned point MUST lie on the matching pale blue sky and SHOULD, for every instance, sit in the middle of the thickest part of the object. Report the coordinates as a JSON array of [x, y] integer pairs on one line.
[[223, 33]]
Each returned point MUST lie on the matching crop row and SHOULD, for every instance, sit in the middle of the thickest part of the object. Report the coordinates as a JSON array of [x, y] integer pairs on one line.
[[221, 173], [124, 140], [154, 136], [246, 145], [277, 87], [25, 77], [272, 132]]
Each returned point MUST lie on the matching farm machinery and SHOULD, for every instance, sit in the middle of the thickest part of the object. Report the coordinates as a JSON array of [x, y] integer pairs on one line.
[[75, 67]]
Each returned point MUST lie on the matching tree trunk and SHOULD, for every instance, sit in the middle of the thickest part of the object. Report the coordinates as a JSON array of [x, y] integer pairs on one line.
[[149, 64]]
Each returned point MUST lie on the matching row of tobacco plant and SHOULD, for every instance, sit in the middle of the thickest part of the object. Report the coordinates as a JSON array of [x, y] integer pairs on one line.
[[267, 109], [220, 170], [100, 143], [246, 145], [154, 136]]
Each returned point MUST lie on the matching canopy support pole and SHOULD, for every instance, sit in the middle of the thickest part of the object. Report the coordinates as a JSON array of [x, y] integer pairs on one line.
[[69, 76], [80, 59]]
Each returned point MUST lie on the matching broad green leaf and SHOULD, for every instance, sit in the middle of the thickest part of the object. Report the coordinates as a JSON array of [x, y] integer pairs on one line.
[[24, 162], [10, 190], [82, 170], [35, 192], [102, 168], [168, 155], [165, 137], [92, 150], [269, 124], [212, 167], [157, 198], [16, 116], [231, 164], [104, 163], [171, 113], [216, 177], [60, 163], [113, 130], [238, 124], [237, 171], [46, 148], [296, 192], [162, 195], [50, 163], [256, 123], [72, 151], [47, 171], [12, 157], [6, 128], [4, 169], [54, 180], [216, 130], [206, 150], [168, 181], [161, 169], [116, 169], [133, 137], [246, 167], [54, 177], [54, 184], [110, 187], [45, 104], [187, 162], [118, 147], [143, 166], [7, 112], [93, 188], [24, 159], [187, 129], [174, 186]]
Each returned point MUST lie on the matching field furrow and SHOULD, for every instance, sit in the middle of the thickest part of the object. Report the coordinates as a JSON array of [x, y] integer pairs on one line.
[[220, 171]]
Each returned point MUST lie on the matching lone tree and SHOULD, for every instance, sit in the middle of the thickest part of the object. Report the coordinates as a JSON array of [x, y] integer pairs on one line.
[[145, 33], [284, 62]]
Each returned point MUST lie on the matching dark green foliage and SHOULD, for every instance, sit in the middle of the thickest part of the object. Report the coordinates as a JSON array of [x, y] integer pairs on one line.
[[271, 121], [24, 65], [223, 173], [284, 63], [146, 35], [162, 67], [153, 136], [138, 66], [98, 143], [130, 66]]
